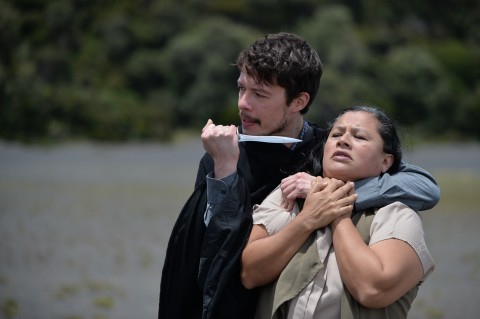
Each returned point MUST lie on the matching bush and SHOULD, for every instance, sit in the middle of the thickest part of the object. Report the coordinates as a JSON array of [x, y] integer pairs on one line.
[[197, 69]]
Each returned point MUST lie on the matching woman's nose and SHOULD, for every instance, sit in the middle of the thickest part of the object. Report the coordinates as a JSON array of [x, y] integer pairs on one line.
[[343, 141]]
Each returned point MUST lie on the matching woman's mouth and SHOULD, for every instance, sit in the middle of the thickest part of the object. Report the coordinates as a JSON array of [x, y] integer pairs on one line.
[[341, 155]]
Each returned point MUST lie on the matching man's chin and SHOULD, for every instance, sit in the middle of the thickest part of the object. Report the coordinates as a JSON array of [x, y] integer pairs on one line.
[[251, 129]]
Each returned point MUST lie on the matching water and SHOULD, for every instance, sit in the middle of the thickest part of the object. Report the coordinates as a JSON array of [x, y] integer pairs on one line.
[[84, 228]]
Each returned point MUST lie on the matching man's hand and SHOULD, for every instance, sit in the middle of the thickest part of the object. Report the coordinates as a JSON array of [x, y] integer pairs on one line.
[[295, 186], [327, 200], [221, 142]]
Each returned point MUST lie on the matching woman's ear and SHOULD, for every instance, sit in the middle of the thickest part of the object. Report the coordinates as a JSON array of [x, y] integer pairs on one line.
[[300, 102], [387, 162]]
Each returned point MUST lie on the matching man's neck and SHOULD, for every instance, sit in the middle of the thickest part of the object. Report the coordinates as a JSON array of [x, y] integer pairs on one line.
[[297, 128]]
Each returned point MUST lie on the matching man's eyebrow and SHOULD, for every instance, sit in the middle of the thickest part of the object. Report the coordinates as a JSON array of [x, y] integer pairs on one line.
[[262, 90], [256, 88]]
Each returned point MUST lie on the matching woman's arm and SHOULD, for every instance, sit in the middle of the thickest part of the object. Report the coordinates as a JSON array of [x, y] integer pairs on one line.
[[265, 257], [375, 275]]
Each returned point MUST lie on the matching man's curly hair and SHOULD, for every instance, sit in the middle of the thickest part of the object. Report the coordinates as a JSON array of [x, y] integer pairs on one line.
[[286, 60]]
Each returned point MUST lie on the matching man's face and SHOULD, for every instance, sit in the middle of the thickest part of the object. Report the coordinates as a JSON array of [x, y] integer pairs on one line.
[[263, 107]]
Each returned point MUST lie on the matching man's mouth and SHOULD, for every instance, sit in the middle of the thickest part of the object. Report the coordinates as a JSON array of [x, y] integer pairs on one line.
[[248, 121]]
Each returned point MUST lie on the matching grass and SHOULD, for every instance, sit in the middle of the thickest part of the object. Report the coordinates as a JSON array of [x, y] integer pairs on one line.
[[10, 308], [459, 191], [118, 229], [67, 291], [103, 302], [102, 294]]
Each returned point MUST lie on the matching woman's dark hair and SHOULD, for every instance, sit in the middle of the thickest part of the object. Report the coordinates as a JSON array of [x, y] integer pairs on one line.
[[283, 59], [386, 128]]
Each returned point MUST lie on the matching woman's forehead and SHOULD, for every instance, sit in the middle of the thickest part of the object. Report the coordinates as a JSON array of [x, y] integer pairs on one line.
[[357, 119]]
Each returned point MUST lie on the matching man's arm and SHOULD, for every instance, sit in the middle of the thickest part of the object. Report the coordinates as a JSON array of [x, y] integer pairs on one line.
[[411, 185], [221, 143], [217, 190], [220, 260]]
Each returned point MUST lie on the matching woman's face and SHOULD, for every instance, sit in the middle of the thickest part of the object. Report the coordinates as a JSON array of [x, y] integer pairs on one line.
[[354, 148]]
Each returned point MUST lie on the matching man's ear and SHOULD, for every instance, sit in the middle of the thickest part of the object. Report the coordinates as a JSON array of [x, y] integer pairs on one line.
[[300, 102]]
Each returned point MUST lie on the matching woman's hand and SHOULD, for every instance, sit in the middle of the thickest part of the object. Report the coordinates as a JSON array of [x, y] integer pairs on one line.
[[293, 187], [347, 215], [327, 200]]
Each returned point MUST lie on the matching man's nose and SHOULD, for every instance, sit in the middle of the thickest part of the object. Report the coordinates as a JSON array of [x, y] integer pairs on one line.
[[244, 102]]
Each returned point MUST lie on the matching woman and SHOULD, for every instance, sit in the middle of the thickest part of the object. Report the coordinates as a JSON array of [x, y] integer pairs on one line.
[[324, 261]]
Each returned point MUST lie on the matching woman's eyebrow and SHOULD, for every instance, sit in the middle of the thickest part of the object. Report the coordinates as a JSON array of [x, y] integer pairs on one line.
[[338, 127], [341, 127], [358, 128]]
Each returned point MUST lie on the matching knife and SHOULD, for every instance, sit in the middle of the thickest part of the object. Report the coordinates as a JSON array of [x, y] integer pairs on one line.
[[266, 139]]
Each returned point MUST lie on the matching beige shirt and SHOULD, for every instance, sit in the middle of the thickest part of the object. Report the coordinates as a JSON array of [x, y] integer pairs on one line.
[[321, 298]]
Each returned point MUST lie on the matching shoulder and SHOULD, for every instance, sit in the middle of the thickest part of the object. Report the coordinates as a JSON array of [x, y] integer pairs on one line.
[[397, 209], [398, 221], [270, 213]]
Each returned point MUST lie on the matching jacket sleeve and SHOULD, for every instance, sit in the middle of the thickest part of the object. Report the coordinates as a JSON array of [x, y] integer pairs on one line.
[[411, 185], [219, 273], [178, 286], [205, 167]]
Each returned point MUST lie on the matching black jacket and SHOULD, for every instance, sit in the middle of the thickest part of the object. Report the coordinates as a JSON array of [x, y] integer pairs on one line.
[[201, 273]]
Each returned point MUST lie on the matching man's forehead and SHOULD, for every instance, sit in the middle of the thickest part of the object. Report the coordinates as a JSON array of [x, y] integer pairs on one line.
[[251, 81]]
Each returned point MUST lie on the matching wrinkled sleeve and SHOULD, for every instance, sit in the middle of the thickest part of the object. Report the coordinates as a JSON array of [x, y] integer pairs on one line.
[[271, 215], [217, 191], [219, 271], [411, 185]]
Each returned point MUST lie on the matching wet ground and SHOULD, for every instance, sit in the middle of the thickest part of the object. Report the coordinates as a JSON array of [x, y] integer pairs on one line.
[[84, 228]]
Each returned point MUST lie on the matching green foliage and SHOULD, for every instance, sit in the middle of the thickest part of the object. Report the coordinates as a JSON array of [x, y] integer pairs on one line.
[[415, 83], [10, 308], [121, 70], [331, 31], [207, 81]]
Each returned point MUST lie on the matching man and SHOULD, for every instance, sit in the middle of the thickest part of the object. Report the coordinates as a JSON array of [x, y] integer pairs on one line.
[[279, 78]]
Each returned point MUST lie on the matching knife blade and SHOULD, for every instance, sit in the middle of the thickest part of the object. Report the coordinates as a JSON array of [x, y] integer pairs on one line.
[[267, 139]]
